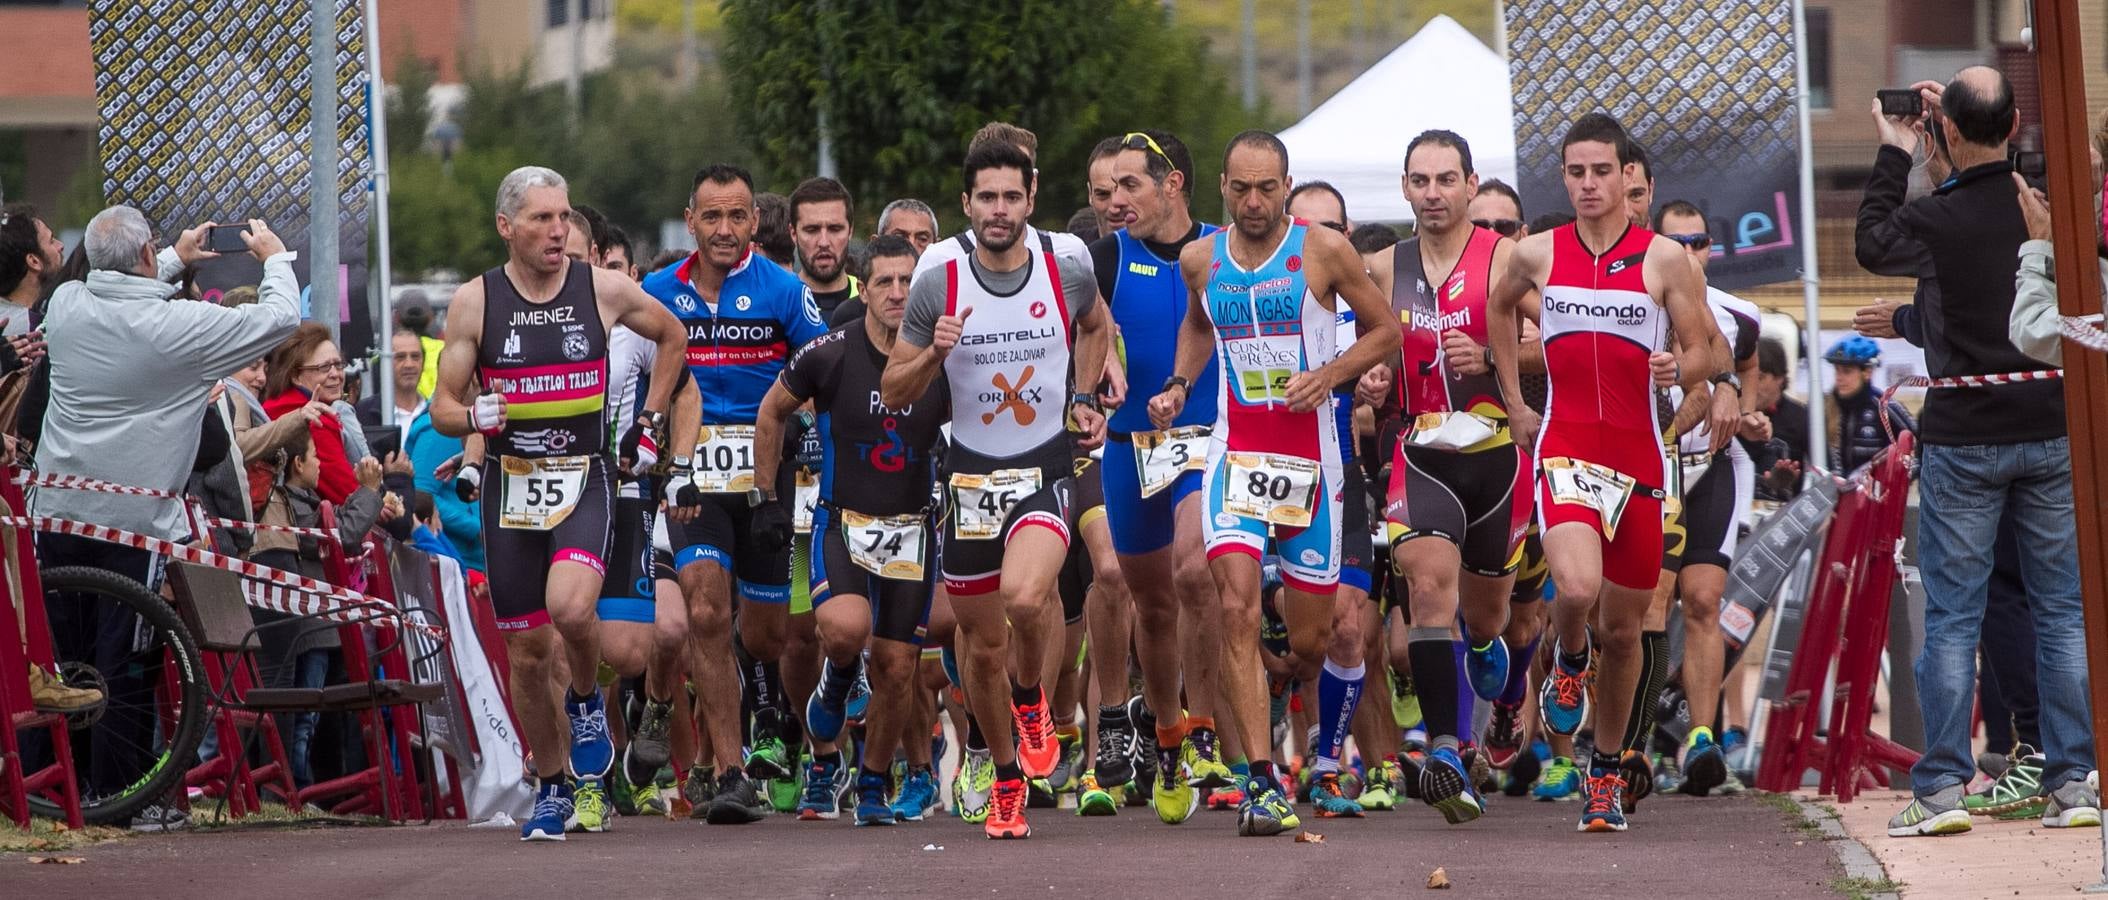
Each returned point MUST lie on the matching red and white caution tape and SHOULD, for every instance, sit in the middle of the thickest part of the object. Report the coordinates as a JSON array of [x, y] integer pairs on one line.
[[99, 486], [1959, 381], [2085, 331]]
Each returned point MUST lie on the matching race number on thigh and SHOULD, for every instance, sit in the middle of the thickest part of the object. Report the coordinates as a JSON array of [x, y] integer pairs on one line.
[[1582, 483], [724, 459], [1270, 487], [539, 494], [1162, 456], [807, 497], [982, 503], [888, 546]]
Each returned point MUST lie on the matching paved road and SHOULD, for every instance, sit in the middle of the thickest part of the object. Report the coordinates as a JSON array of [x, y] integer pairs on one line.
[[1678, 847]]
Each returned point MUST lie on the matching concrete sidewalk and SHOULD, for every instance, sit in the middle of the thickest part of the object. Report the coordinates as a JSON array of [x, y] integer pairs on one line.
[[1996, 859]]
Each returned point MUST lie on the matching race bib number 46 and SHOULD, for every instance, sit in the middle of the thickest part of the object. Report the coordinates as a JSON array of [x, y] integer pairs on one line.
[[1601, 488], [889, 547], [1162, 456], [1280, 490], [539, 494], [982, 503], [724, 459]]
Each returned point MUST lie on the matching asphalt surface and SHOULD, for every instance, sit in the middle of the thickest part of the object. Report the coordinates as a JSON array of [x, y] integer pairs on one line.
[[1677, 847]]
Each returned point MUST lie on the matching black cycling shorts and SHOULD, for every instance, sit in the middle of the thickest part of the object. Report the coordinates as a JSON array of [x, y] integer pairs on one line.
[[900, 610], [1709, 515], [973, 566], [520, 559], [1357, 546], [1479, 501], [715, 536]]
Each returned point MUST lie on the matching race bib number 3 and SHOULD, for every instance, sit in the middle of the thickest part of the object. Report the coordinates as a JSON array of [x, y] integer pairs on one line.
[[724, 459], [889, 547], [1280, 490], [1162, 456], [539, 494], [1601, 488], [982, 503], [808, 499]]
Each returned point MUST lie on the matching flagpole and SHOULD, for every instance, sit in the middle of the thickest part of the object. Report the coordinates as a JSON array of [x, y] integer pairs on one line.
[[377, 129], [1811, 275], [322, 280]]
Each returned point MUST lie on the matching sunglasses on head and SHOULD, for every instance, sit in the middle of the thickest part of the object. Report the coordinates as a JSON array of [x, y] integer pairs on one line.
[[1135, 140], [1340, 227], [1506, 227], [1692, 241]]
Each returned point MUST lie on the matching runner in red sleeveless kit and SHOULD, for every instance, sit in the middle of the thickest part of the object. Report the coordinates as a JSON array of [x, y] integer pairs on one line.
[[1601, 468]]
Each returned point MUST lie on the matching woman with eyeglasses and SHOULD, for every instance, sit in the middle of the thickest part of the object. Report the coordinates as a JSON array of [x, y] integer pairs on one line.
[[305, 376]]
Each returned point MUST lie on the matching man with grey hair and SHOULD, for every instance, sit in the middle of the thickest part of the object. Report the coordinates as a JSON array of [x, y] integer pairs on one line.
[[130, 375], [911, 219]]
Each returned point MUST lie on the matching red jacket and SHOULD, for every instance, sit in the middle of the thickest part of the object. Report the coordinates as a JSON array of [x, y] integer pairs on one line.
[[338, 481]]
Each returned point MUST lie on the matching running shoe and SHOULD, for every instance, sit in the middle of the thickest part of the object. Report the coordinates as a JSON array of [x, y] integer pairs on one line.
[[1563, 701], [644, 798], [1732, 786], [783, 794], [651, 747], [871, 808], [1040, 795], [1940, 813], [2074, 805], [552, 812], [621, 793], [918, 795], [1637, 781], [1486, 667], [1561, 780], [1331, 801], [1410, 762], [1704, 763], [1405, 703], [1006, 811], [771, 757], [970, 791], [1445, 784], [824, 720], [1116, 747], [1063, 781], [1037, 750], [1174, 797], [1144, 723], [1503, 741], [1092, 800], [1381, 791], [1668, 776], [826, 783], [1480, 770], [858, 703], [696, 791], [158, 818], [1264, 811], [736, 801], [592, 751], [1522, 774], [2017, 793], [589, 807], [1203, 758], [1225, 798], [1605, 809]]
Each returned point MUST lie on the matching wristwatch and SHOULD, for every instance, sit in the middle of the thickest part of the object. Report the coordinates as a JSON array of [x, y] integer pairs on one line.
[[1729, 379], [757, 496], [1080, 398], [1179, 381]]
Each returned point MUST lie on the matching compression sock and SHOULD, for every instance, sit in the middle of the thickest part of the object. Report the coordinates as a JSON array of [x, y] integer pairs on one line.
[[1519, 674], [1467, 699], [1646, 696], [1339, 692], [975, 740], [1432, 654]]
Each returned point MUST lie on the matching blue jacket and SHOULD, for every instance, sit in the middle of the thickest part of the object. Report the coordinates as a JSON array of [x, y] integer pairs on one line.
[[463, 521], [764, 314]]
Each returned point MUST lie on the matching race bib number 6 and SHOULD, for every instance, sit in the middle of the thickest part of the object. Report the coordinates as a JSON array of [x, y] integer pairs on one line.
[[1162, 456], [724, 459], [1601, 488], [982, 503], [1280, 490], [889, 547], [539, 494]]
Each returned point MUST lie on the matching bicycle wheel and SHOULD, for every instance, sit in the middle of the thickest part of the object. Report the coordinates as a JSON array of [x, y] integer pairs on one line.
[[113, 634]]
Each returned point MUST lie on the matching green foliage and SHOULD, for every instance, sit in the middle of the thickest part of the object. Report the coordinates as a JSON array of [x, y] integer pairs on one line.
[[409, 111], [906, 84]]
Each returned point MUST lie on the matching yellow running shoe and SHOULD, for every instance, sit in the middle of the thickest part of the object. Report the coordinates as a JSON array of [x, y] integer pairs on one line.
[[1092, 800], [1203, 760], [1173, 795]]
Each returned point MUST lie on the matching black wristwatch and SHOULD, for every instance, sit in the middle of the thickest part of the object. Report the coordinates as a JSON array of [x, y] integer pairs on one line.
[[1080, 398], [1729, 379], [1179, 381], [757, 496]]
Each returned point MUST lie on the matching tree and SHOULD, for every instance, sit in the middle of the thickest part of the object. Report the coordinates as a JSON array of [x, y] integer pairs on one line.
[[906, 84]]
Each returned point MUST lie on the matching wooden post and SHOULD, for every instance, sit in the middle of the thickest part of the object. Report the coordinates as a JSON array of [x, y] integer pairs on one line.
[[2062, 66]]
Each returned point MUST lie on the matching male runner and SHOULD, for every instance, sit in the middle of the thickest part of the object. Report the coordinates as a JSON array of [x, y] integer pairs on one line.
[[997, 324], [1261, 298], [872, 544], [1098, 187], [1459, 496], [820, 212], [911, 220], [742, 316], [545, 521], [1152, 489], [1599, 500]]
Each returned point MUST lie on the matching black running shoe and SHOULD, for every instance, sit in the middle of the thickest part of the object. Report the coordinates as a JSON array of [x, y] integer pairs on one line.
[[736, 802]]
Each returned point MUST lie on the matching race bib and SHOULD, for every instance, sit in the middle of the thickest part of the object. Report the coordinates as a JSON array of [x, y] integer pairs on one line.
[[1601, 488], [807, 495], [982, 503], [1279, 490], [539, 494], [724, 459], [889, 547], [1162, 456], [1450, 430], [1692, 466]]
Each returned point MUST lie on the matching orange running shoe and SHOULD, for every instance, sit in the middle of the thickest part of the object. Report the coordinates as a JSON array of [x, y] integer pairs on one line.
[[1006, 811], [1225, 798], [1037, 750]]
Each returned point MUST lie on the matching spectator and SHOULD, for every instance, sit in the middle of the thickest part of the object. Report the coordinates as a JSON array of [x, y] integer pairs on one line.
[[772, 230], [414, 314], [29, 258], [308, 369], [1852, 408], [1991, 454], [239, 296], [2036, 326], [429, 534], [128, 377], [406, 363], [664, 259], [257, 441], [1781, 457], [460, 518]]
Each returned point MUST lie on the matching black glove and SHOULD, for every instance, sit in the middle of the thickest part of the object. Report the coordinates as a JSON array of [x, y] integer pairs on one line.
[[769, 531], [468, 483], [681, 478]]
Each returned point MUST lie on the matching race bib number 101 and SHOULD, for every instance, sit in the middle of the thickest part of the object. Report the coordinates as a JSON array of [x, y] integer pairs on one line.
[[539, 494], [724, 459], [982, 503], [1280, 490]]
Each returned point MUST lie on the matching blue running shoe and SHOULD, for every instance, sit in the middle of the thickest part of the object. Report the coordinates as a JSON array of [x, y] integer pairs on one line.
[[918, 795], [552, 809], [1560, 780], [859, 701], [1265, 811], [871, 808], [1604, 810], [1704, 764], [1563, 701], [823, 722], [1445, 786], [592, 751], [1487, 667], [825, 785]]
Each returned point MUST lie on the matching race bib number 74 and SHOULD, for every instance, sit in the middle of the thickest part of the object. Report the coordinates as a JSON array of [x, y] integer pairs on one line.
[[889, 547]]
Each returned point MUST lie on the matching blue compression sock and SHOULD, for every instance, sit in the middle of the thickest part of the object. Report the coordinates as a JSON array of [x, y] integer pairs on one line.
[[1339, 692]]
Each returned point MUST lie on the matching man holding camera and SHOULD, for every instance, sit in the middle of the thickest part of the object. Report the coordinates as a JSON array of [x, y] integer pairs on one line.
[[1990, 451]]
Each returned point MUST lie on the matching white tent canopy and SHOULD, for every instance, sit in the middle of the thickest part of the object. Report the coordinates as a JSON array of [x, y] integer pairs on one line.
[[1442, 78]]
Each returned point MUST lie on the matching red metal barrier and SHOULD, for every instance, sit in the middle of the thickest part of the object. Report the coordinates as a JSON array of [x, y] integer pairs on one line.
[[25, 640]]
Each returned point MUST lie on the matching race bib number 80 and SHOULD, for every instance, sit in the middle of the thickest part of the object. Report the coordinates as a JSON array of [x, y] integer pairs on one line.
[[1601, 488], [1162, 456], [724, 459], [1280, 490], [539, 494], [982, 503], [889, 547]]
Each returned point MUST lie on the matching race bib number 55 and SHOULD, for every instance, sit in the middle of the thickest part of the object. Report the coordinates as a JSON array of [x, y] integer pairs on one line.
[[724, 459], [1162, 456], [539, 494], [1601, 488], [982, 503], [1280, 490]]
